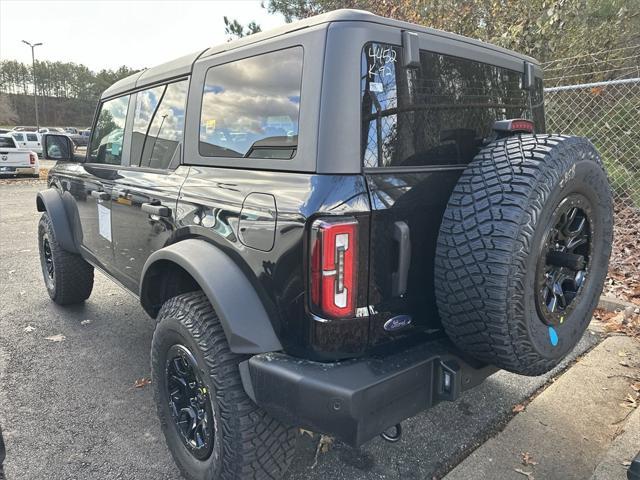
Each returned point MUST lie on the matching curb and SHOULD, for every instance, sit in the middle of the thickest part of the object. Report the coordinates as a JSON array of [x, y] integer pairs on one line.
[[612, 304]]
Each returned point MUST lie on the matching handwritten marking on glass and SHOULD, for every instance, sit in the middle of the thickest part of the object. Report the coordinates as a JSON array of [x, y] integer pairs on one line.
[[383, 60]]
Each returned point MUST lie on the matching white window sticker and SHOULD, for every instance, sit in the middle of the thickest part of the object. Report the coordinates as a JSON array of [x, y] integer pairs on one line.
[[375, 87], [104, 221]]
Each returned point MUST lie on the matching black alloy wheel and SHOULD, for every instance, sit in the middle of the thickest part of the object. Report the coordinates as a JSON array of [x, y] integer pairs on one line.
[[47, 260], [189, 402], [563, 265]]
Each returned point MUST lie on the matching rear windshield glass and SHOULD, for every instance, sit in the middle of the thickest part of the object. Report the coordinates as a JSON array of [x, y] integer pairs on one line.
[[250, 107], [6, 142], [439, 114]]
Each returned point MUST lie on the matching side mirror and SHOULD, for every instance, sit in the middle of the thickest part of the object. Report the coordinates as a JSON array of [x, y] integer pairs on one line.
[[57, 147]]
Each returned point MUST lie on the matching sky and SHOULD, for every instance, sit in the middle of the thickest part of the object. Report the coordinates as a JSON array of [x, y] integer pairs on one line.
[[107, 34]]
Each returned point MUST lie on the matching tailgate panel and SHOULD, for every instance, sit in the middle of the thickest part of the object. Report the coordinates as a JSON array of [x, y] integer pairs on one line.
[[418, 199], [12, 158]]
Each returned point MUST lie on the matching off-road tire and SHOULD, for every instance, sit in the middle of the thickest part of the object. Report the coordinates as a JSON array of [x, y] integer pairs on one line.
[[490, 242], [249, 444], [72, 280]]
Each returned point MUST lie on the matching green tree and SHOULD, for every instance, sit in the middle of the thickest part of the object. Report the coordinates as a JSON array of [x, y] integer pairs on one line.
[[545, 29], [235, 29]]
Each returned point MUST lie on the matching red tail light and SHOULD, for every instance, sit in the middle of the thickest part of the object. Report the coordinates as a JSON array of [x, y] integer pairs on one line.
[[334, 267], [32, 158]]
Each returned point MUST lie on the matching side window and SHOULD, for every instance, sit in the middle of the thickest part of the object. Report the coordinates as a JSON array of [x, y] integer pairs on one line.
[[19, 137], [158, 124], [250, 107], [439, 114], [32, 137], [106, 143]]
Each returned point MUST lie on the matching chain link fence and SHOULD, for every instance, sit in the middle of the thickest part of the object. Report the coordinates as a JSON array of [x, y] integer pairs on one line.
[[608, 113], [597, 95]]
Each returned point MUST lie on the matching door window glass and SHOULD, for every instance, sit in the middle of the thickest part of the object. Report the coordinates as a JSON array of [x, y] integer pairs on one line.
[[32, 137], [250, 107], [106, 143], [158, 124], [19, 137], [439, 114]]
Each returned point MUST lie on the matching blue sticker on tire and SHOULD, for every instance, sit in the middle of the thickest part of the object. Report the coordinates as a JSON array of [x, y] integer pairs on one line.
[[553, 336]]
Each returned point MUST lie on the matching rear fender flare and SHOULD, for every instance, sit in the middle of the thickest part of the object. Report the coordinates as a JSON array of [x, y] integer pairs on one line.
[[51, 201], [242, 314]]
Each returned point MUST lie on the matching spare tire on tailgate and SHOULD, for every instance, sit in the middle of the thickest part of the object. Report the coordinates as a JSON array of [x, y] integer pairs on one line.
[[523, 251]]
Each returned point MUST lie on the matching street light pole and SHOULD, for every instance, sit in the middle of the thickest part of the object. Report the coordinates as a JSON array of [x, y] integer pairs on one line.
[[35, 88]]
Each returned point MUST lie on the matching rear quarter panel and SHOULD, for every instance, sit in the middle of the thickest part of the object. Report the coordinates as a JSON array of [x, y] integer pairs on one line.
[[210, 206]]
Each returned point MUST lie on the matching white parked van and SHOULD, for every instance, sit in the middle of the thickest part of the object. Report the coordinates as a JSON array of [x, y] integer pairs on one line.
[[30, 140]]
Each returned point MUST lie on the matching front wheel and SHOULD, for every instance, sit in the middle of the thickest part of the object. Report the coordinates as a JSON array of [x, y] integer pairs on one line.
[[67, 276], [212, 428]]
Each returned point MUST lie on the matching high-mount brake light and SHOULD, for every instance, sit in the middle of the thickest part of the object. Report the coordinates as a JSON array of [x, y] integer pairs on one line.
[[334, 262], [516, 125]]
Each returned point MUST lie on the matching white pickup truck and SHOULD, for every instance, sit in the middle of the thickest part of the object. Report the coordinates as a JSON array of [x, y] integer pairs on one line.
[[17, 161]]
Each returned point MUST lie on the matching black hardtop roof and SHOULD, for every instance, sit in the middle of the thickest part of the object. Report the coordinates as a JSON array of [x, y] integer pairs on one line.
[[183, 65]]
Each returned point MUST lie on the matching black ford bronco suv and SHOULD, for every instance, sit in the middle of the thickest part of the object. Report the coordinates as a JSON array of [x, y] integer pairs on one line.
[[335, 224]]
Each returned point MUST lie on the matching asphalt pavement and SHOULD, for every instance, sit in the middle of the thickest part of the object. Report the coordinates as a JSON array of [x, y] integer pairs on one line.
[[69, 408]]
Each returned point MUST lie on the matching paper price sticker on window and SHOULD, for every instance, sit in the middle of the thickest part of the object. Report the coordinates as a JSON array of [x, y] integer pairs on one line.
[[210, 125], [376, 87], [104, 222]]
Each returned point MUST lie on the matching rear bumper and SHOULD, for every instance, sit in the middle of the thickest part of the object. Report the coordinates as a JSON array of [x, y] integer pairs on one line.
[[355, 400], [18, 170]]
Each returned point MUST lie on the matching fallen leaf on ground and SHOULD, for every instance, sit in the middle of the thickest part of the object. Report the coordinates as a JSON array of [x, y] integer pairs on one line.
[[622, 353], [324, 444], [518, 408], [527, 459], [626, 463], [29, 329], [636, 386], [529, 475], [623, 363], [629, 402], [85, 322], [56, 338], [142, 382], [304, 432]]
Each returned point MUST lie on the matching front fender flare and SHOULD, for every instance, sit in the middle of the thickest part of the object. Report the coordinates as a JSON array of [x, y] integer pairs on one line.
[[51, 201], [241, 312]]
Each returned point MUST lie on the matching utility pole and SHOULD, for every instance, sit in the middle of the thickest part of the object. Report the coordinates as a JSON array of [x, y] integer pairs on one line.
[[35, 88]]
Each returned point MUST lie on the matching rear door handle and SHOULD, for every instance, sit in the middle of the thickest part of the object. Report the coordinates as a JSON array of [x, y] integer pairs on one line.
[[159, 210], [399, 278], [100, 195]]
